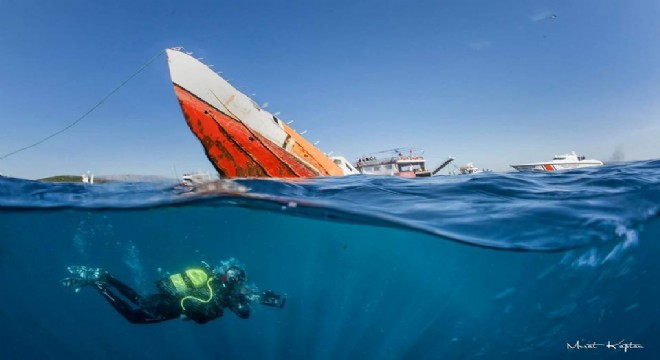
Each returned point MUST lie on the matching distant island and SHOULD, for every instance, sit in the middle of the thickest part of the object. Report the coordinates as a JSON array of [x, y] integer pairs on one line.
[[72, 178], [108, 178]]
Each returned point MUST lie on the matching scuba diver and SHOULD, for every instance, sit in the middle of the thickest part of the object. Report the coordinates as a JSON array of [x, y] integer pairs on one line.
[[199, 294]]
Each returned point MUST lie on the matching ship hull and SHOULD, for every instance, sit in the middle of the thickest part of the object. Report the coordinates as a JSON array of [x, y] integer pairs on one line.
[[233, 148], [553, 167], [240, 138]]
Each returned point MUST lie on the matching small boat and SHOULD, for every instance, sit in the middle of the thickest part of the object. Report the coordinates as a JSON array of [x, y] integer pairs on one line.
[[196, 178], [559, 162], [396, 163], [87, 178], [469, 169]]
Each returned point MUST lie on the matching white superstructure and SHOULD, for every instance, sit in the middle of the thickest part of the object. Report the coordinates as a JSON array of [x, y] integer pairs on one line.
[[395, 164], [196, 178], [344, 165]]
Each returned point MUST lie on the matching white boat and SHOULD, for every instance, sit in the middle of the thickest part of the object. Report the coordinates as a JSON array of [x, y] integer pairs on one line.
[[196, 178], [469, 169], [87, 178], [559, 162], [397, 164], [344, 165]]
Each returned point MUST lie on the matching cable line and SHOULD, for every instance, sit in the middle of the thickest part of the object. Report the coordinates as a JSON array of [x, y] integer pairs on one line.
[[88, 112]]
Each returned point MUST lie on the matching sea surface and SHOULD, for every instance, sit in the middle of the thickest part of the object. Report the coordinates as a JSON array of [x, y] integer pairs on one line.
[[491, 266]]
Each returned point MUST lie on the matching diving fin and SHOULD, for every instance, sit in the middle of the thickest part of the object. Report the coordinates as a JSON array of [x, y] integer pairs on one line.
[[85, 276], [75, 283], [86, 273]]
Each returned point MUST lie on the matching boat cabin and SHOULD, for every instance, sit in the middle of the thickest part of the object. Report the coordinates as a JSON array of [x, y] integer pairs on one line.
[[344, 165], [399, 165]]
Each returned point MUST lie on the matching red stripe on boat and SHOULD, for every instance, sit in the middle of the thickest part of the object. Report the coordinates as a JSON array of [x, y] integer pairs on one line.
[[233, 148]]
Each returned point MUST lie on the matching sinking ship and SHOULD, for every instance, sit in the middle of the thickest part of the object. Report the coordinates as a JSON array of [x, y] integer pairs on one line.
[[240, 138]]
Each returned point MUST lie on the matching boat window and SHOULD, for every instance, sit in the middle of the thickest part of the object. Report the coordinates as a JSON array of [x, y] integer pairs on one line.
[[410, 167], [559, 158]]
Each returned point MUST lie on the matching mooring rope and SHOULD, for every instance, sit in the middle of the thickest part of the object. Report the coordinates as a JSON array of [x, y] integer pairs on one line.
[[88, 112]]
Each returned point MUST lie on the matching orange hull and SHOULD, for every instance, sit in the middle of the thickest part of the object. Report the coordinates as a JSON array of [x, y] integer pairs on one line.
[[240, 138], [310, 154], [234, 149]]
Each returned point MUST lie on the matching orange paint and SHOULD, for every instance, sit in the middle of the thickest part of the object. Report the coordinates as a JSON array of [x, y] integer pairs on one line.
[[233, 148], [312, 155]]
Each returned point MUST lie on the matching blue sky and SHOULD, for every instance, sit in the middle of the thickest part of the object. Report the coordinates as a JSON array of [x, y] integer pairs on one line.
[[494, 83]]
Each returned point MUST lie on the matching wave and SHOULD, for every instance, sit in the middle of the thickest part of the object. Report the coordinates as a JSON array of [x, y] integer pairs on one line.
[[598, 206]]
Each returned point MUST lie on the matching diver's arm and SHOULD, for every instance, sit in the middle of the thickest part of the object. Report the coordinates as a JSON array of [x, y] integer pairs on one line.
[[202, 312], [268, 297], [239, 305]]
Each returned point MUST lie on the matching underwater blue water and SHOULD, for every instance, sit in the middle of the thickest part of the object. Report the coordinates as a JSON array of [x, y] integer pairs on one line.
[[492, 266]]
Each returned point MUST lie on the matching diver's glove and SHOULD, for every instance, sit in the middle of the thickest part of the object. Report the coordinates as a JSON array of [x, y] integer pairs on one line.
[[86, 276], [270, 298]]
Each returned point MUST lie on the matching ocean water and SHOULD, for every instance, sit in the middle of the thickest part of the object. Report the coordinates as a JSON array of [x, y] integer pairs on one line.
[[492, 266]]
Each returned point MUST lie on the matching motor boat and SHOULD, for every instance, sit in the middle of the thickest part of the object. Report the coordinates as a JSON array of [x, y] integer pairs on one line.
[[559, 162]]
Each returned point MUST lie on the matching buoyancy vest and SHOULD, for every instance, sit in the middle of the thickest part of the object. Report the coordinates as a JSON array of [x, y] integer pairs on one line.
[[186, 283], [189, 280]]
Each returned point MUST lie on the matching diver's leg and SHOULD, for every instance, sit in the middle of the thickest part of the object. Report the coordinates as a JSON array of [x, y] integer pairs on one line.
[[88, 276], [123, 289], [135, 316], [165, 305], [103, 282]]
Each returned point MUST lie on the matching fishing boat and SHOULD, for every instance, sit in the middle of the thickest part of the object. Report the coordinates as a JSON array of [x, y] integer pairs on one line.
[[559, 162], [240, 138], [394, 163]]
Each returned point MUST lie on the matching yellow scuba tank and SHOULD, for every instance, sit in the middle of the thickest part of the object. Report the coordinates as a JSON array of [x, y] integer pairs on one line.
[[186, 283], [189, 280]]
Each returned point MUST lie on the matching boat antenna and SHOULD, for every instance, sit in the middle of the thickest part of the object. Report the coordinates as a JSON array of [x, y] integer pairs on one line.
[[175, 173], [39, 142]]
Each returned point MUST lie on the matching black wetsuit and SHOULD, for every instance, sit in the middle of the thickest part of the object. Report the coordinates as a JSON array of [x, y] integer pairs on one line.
[[166, 306]]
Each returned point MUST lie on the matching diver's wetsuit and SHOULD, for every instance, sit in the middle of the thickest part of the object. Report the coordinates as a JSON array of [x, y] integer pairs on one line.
[[165, 306]]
